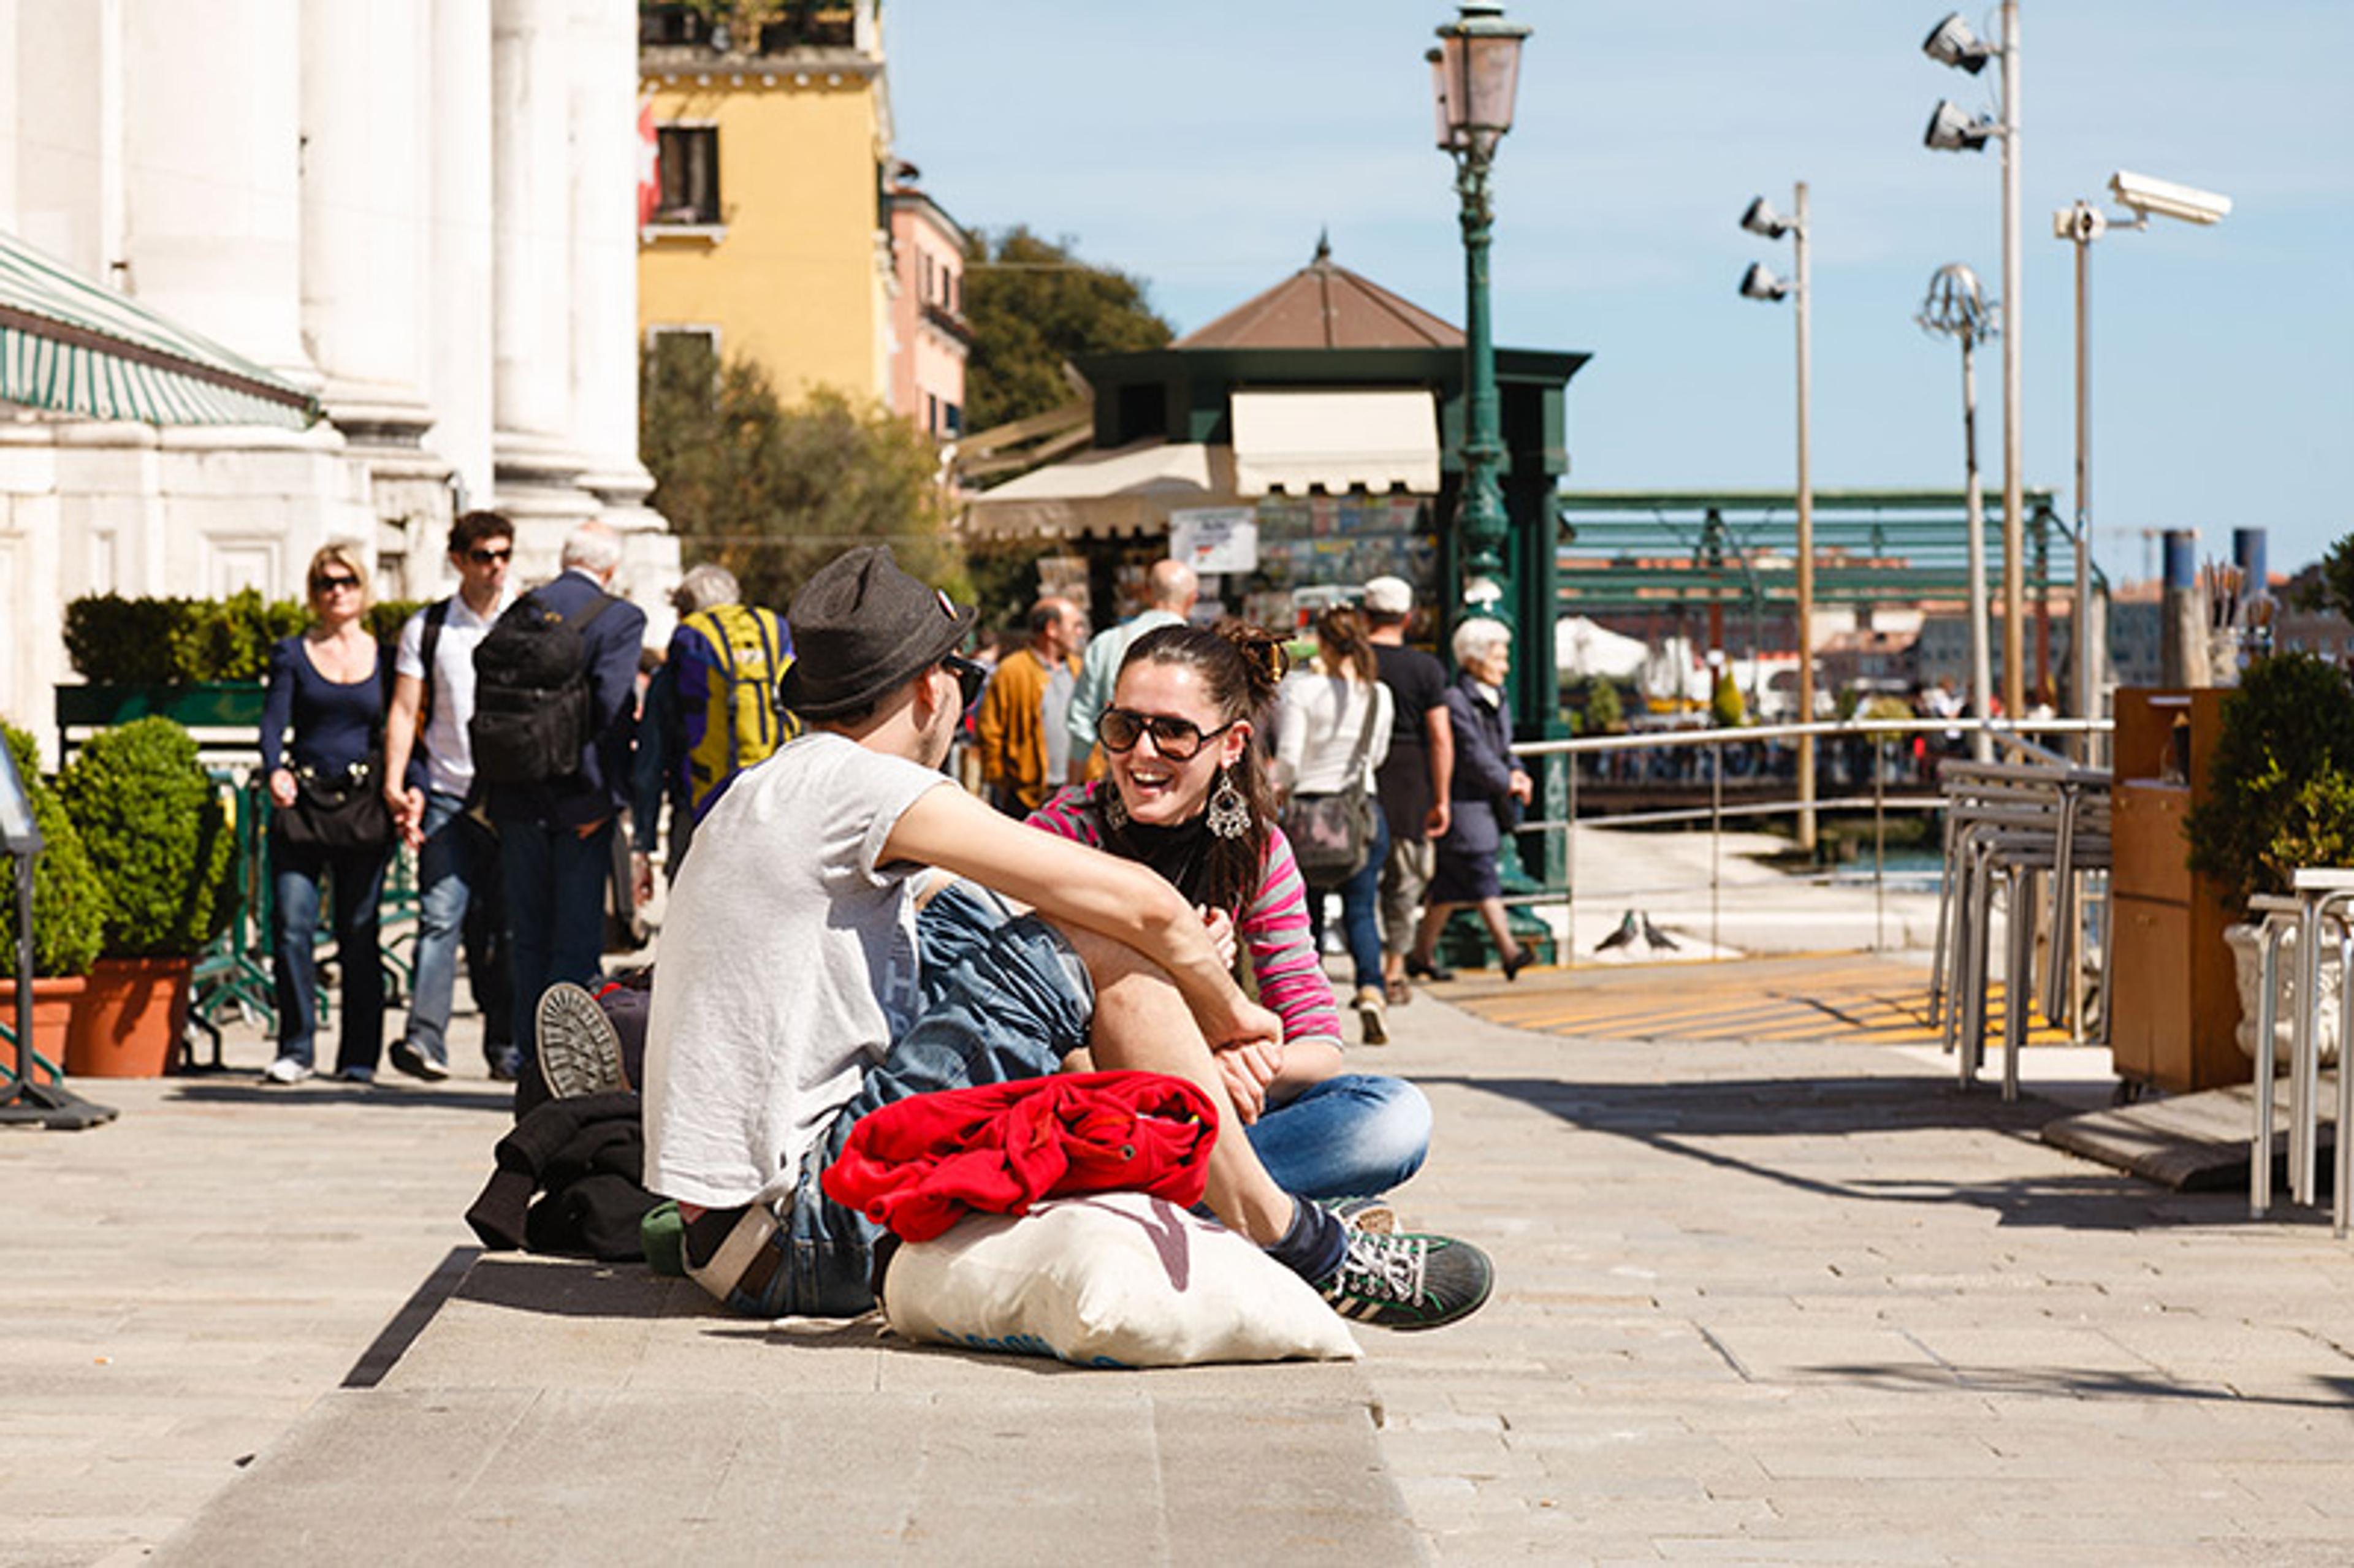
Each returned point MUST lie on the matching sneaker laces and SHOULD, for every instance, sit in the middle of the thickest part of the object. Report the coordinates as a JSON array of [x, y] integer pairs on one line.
[[1390, 1267]]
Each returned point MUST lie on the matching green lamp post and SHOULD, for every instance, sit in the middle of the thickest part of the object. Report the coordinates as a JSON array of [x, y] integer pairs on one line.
[[1475, 72]]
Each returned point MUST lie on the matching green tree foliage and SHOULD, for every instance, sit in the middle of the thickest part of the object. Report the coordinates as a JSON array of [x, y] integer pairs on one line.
[[2280, 786], [70, 902], [772, 493], [157, 835], [1604, 713], [1034, 306]]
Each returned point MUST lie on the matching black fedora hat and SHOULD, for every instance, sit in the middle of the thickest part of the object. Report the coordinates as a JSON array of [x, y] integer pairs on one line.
[[862, 627]]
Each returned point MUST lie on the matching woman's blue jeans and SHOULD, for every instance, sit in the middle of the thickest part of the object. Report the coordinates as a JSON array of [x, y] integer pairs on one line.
[[358, 878], [1348, 1137], [1360, 910]]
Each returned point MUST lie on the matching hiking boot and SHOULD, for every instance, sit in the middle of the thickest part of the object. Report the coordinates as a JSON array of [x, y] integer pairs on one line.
[[1407, 1281], [579, 1051], [1371, 1215], [1374, 1015], [417, 1063]]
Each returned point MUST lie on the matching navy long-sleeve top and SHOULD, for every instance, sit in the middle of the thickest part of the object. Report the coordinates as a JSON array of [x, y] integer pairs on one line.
[[311, 722]]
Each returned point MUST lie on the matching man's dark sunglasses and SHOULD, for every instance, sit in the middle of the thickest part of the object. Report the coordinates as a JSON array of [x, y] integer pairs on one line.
[[482, 557], [970, 677], [1175, 739]]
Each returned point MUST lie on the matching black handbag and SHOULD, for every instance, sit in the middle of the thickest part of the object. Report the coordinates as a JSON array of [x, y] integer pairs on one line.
[[343, 811], [1331, 835]]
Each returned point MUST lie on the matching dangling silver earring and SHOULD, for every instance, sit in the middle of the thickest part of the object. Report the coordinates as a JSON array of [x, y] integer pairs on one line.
[[1229, 812], [1115, 809]]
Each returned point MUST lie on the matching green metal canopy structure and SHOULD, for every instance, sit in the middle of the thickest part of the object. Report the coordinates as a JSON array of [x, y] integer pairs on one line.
[[69, 347]]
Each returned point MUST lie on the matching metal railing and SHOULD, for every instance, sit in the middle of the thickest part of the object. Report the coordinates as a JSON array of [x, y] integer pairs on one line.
[[2019, 740]]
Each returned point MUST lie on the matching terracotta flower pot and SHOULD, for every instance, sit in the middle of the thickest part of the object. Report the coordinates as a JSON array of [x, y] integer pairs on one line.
[[53, 1008], [129, 1019]]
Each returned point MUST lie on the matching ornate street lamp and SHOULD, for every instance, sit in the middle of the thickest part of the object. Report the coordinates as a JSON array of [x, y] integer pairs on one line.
[[1956, 307], [1475, 72]]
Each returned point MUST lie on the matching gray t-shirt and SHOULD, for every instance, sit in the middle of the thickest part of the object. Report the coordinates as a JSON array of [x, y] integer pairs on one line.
[[789, 967]]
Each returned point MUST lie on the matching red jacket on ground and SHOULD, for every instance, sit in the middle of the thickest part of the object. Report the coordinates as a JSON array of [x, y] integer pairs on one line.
[[918, 1165]]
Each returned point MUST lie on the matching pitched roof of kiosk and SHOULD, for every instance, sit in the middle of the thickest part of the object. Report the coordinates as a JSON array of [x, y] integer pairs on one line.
[[1325, 306]]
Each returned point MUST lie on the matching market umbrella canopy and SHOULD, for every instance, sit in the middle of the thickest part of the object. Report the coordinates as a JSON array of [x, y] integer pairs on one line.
[[72, 347]]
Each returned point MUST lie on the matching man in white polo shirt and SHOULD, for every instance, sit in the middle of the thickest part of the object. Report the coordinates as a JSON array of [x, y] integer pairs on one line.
[[457, 859]]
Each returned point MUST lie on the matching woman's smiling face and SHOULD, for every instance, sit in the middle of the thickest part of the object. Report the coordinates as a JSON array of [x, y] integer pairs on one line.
[[1158, 789]]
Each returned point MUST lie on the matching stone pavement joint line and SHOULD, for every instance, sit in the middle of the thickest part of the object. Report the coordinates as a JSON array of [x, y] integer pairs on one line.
[[1783, 1302]]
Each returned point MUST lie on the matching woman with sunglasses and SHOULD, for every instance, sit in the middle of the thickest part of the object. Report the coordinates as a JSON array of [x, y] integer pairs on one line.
[[1187, 795], [321, 720]]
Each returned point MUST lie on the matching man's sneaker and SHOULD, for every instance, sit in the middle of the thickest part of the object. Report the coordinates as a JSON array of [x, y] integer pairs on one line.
[[1408, 1281], [286, 1070], [408, 1059], [1371, 1213], [1373, 1015], [579, 1051]]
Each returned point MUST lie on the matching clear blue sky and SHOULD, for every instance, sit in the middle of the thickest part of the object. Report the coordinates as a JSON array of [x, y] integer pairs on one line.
[[1202, 147]]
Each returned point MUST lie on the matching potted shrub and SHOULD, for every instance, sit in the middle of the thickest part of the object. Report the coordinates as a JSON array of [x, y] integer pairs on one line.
[[69, 914], [2280, 795], [160, 840]]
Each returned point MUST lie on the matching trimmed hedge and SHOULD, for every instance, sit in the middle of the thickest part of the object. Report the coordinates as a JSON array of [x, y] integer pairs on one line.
[[157, 835], [113, 641], [70, 902], [2280, 786]]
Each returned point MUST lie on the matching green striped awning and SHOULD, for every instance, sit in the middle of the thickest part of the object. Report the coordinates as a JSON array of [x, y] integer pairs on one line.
[[72, 347]]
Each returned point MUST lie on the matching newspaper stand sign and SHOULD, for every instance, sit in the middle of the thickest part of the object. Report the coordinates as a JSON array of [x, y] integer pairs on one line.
[[1214, 540]]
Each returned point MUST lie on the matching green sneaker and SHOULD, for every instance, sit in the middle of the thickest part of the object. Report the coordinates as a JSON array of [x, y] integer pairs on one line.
[[1408, 1281], [1369, 1214]]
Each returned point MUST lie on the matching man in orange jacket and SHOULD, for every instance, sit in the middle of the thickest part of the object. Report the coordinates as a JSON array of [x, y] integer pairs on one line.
[[1026, 752]]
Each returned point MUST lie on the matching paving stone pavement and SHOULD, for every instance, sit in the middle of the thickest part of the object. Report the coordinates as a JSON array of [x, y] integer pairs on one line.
[[1759, 1303]]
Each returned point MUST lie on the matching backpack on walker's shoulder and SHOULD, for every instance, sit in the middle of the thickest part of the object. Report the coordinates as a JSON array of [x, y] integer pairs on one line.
[[535, 710]]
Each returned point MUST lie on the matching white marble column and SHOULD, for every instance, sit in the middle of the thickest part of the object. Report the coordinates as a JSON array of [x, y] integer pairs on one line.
[[212, 146], [604, 271], [531, 100], [363, 237], [458, 375]]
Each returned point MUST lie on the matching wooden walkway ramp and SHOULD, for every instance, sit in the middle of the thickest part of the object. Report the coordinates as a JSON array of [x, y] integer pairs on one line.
[[1843, 997]]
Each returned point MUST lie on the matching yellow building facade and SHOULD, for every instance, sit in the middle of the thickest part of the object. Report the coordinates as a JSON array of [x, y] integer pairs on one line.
[[768, 231]]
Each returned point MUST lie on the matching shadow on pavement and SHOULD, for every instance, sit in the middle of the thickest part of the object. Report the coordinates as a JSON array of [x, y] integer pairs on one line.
[[499, 1098], [2076, 1383], [1674, 1118]]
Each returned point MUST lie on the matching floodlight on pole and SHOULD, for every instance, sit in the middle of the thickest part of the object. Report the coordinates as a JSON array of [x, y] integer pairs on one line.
[[1760, 284], [2080, 224], [1954, 130], [1956, 307]]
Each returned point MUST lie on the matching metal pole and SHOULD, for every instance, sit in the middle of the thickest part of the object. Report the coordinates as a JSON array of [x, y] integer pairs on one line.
[[1981, 655], [2079, 636], [1805, 534], [1484, 523], [2014, 515]]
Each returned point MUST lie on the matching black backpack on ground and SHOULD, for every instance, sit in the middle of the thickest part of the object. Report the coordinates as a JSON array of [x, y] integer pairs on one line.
[[535, 710]]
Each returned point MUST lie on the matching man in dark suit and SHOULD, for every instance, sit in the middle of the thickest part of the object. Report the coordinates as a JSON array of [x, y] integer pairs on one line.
[[556, 838]]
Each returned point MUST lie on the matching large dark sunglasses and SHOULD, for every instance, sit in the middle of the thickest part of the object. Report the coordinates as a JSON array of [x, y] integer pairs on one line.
[[1175, 739], [970, 677], [485, 557]]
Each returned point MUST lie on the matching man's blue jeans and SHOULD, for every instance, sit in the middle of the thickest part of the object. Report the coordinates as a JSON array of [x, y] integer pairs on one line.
[[358, 878], [1360, 910], [556, 883], [454, 867]]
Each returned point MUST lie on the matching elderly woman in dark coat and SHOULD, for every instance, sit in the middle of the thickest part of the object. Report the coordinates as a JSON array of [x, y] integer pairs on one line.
[[1488, 791]]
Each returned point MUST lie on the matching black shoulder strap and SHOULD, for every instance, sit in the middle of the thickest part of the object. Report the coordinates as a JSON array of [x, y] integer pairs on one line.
[[436, 614], [605, 601]]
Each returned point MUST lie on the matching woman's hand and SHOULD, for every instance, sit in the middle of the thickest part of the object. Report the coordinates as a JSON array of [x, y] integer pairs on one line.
[[281, 788], [1522, 787], [1221, 926], [1246, 1070]]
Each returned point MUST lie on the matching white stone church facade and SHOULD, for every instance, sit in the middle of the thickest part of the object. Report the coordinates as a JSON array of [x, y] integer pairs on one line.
[[423, 209]]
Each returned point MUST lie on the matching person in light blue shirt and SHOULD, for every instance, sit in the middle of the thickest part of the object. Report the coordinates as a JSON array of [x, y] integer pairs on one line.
[[1171, 589]]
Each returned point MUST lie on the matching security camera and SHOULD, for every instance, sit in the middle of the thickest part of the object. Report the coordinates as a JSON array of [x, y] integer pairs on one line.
[[1952, 43], [1759, 284], [1954, 130], [2164, 197], [1761, 218]]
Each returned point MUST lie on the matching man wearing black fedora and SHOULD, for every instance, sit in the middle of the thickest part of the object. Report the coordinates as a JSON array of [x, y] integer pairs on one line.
[[848, 933]]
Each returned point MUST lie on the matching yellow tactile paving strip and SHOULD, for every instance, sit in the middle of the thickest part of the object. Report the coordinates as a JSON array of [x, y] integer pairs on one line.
[[1836, 997]]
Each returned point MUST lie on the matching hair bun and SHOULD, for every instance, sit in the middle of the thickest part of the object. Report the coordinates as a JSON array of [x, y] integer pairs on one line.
[[1262, 653]]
